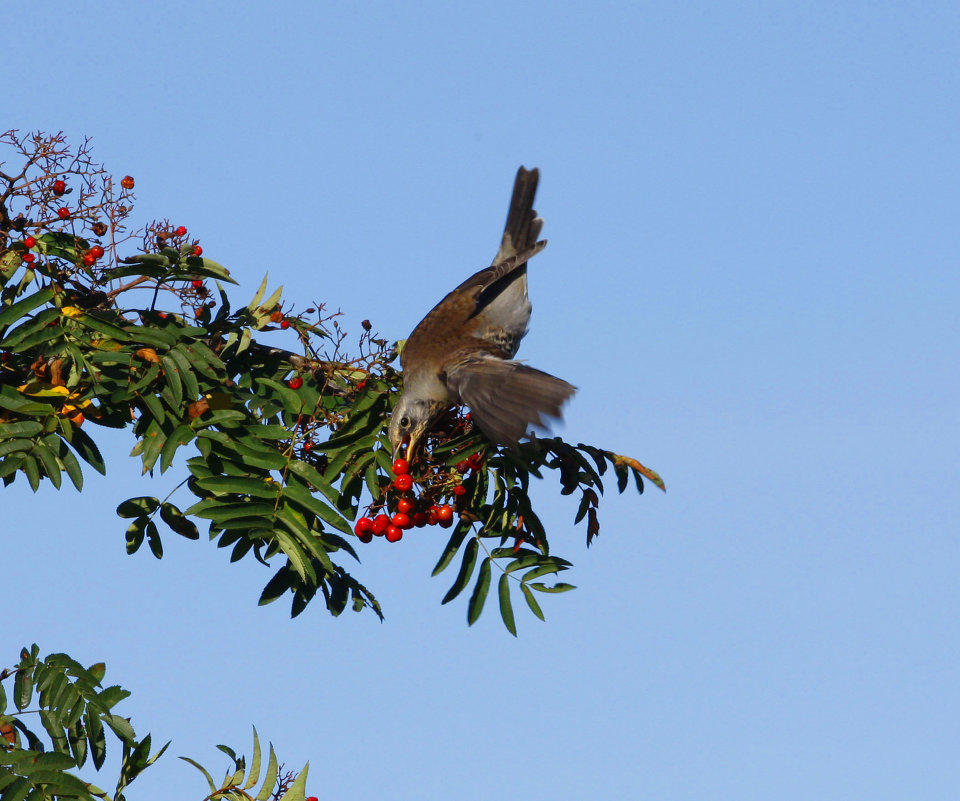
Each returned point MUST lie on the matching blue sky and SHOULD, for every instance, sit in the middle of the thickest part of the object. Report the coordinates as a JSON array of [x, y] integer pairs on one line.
[[752, 278]]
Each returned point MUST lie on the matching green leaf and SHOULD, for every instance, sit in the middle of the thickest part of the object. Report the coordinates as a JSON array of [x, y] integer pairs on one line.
[[174, 518], [532, 602], [24, 306], [14, 401], [452, 546], [86, 449], [506, 609], [95, 737], [254, 772], [558, 587], [301, 496], [153, 539], [270, 779], [173, 390], [23, 428], [181, 435], [466, 570], [50, 464], [479, 595], [240, 485], [298, 789], [32, 471], [135, 534], [298, 558], [203, 770], [137, 507], [22, 689], [277, 586]]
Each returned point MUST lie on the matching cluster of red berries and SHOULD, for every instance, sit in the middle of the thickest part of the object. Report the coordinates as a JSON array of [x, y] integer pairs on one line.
[[89, 258], [406, 516], [474, 462]]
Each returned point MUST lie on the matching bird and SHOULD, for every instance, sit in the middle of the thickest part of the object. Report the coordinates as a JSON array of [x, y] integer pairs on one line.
[[462, 352]]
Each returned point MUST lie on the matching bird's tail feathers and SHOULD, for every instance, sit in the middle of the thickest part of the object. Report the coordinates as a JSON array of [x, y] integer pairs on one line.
[[523, 226]]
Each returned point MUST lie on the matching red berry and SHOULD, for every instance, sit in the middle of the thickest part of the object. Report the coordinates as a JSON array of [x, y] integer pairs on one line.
[[420, 519], [432, 516], [405, 505], [196, 283], [28, 257], [181, 231], [5, 357], [59, 187], [444, 513], [468, 416], [63, 212], [284, 324], [295, 383], [308, 446], [403, 482], [197, 250], [127, 182], [446, 523], [89, 259], [402, 520], [459, 490], [363, 526], [361, 386], [29, 242], [394, 534], [401, 467], [380, 524], [198, 312], [97, 252], [463, 467]]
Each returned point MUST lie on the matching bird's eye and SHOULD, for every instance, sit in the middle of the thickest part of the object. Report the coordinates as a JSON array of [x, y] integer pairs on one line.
[[404, 422]]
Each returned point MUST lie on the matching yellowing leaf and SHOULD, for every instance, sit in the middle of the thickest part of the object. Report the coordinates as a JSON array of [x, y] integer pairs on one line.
[[40, 389]]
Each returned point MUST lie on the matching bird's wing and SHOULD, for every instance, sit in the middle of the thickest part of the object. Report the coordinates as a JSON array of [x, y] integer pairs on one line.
[[507, 397]]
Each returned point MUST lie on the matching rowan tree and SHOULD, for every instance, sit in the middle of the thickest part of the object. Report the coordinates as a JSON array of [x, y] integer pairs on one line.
[[284, 454]]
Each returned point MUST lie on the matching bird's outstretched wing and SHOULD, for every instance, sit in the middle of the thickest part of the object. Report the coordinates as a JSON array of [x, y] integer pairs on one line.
[[507, 397]]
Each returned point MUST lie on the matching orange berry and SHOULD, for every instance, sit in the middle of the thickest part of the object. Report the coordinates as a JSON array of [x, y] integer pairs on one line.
[[127, 182]]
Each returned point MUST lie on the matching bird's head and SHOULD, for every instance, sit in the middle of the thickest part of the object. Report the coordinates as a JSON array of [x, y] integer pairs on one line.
[[411, 419]]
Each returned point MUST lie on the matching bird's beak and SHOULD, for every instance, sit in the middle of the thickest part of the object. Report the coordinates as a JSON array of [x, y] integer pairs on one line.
[[407, 445]]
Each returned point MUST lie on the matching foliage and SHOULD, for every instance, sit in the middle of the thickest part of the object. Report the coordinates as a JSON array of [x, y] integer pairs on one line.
[[76, 713], [284, 448]]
